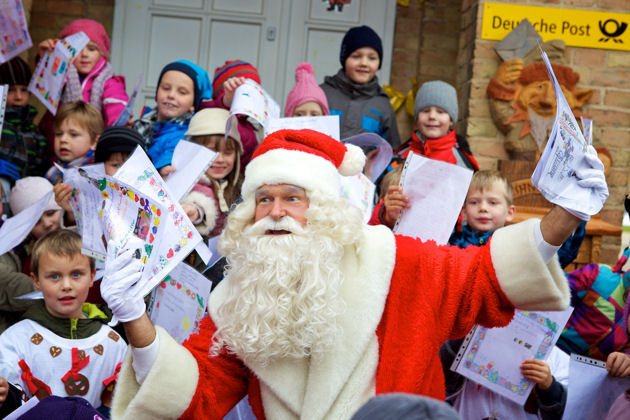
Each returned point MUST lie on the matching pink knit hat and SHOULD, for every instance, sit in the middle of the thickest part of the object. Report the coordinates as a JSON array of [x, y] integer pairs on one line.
[[305, 90], [94, 30]]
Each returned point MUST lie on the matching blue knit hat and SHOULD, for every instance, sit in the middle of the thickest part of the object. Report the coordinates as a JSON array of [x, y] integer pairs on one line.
[[359, 37], [200, 78], [437, 93]]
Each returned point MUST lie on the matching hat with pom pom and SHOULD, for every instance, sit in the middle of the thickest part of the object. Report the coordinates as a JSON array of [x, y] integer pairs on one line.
[[305, 90], [304, 158], [93, 29]]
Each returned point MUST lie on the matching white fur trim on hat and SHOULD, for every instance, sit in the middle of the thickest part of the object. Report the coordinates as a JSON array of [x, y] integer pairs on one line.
[[353, 161], [282, 166]]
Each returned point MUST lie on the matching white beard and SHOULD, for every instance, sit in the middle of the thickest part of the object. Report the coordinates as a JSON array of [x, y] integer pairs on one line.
[[283, 299], [540, 127]]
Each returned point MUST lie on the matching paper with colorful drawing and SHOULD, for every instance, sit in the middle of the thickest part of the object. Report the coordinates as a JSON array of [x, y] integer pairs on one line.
[[15, 37], [358, 191], [327, 124], [16, 228], [4, 91], [179, 302], [436, 188], [554, 175], [492, 356], [252, 100], [591, 390], [49, 76], [190, 161]]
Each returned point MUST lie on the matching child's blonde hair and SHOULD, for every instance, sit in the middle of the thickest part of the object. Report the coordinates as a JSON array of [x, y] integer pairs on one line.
[[391, 178], [84, 114], [63, 242], [485, 179]]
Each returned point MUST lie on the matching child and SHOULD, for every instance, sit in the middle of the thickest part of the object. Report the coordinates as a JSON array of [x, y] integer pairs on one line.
[[436, 113], [354, 93], [63, 345], [181, 87], [306, 98], [15, 264], [226, 79], [488, 206], [90, 77], [23, 148], [77, 128], [208, 204]]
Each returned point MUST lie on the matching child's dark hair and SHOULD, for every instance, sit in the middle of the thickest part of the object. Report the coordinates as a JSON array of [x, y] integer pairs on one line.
[[63, 242], [84, 114]]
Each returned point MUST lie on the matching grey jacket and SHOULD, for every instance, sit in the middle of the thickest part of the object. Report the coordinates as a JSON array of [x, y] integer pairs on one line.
[[361, 107], [13, 283]]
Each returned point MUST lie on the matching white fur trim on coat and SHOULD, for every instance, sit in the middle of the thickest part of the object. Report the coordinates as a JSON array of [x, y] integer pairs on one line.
[[167, 390], [524, 277], [209, 207], [281, 166]]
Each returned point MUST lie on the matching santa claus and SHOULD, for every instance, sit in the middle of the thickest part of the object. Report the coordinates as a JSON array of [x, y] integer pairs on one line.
[[318, 311]]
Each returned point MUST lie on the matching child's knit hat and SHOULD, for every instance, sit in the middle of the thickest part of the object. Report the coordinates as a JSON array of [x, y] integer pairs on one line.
[[15, 72], [437, 93], [200, 78], [93, 29], [235, 68], [58, 408], [28, 191], [359, 37], [212, 121], [117, 139], [305, 90]]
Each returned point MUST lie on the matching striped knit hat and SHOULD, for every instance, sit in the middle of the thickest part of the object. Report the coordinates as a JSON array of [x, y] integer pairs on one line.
[[15, 72], [235, 68]]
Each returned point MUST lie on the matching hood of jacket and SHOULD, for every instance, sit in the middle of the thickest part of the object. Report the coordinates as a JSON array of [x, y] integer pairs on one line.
[[70, 328]]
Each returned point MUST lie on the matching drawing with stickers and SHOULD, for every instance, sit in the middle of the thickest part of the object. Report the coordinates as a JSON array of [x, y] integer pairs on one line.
[[14, 36]]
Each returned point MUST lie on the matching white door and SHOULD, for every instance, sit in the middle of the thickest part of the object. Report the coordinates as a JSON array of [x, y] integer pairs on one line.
[[273, 35]]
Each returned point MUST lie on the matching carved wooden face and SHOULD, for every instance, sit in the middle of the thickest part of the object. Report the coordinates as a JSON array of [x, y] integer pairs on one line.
[[540, 97]]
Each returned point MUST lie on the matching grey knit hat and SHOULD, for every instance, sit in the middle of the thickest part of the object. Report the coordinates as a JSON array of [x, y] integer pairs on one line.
[[399, 406], [437, 93]]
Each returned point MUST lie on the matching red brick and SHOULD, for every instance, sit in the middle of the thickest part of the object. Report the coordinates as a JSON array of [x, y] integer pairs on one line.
[[618, 98], [579, 3], [72, 8], [615, 137], [604, 117], [617, 177], [612, 5], [613, 217], [612, 78], [589, 57], [41, 20]]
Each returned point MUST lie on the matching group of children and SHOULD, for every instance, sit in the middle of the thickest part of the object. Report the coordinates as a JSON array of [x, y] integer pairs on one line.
[[62, 345]]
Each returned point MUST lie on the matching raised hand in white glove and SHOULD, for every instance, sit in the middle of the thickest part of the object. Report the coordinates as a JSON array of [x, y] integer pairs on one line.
[[591, 176], [118, 287]]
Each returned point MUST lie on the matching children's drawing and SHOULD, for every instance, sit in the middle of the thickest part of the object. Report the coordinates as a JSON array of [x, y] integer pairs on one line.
[[50, 74], [492, 356], [252, 100], [4, 91], [358, 191], [14, 36]]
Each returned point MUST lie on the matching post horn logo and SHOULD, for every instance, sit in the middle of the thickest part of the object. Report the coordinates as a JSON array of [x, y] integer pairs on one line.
[[618, 28]]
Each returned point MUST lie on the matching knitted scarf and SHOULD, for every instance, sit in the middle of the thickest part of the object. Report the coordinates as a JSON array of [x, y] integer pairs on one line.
[[55, 176], [74, 90]]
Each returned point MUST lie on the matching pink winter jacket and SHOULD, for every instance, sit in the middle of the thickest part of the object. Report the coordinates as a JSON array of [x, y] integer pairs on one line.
[[114, 94]]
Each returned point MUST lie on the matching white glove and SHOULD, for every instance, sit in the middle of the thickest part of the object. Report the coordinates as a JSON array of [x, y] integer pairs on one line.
[[118, 287], [593, 177]]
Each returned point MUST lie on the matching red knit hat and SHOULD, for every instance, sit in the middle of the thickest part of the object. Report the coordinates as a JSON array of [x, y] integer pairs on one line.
[[304, 158], [305, 90], [94, 30], [235, 68]]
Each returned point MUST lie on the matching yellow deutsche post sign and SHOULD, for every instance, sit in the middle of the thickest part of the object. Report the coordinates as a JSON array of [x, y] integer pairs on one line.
[[577, 28]]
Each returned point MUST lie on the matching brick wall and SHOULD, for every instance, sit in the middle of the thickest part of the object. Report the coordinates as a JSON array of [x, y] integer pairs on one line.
[[607, 72]]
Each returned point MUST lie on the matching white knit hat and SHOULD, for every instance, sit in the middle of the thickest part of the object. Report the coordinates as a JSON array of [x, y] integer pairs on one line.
[[210, 121], [28, 191], [304, 158]]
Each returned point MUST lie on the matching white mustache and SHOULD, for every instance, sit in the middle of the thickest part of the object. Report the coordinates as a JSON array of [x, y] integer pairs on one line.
[[286, 223]]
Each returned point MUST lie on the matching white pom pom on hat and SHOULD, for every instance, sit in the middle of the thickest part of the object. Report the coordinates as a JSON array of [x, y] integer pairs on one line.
[[304, 158]]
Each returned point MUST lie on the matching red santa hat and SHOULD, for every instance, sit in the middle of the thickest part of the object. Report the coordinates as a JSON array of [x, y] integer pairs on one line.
[[304, 158]]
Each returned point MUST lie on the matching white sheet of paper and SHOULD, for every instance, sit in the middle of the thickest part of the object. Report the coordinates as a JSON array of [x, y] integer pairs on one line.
[[252, 100], [36, 295], [492, 356], [591, 390], [434, 188], [358, 191], [587, 126], [126, 113], [179, 302], [327, 124], [554, 175], [49, 76], [382, 158], [212, 246], [16, 228], [4, 91], [191, 161], [179, 236], [18, 412], [15, 36]]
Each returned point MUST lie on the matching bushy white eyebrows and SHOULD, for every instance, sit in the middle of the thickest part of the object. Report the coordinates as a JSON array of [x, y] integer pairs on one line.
[[289, 189]]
